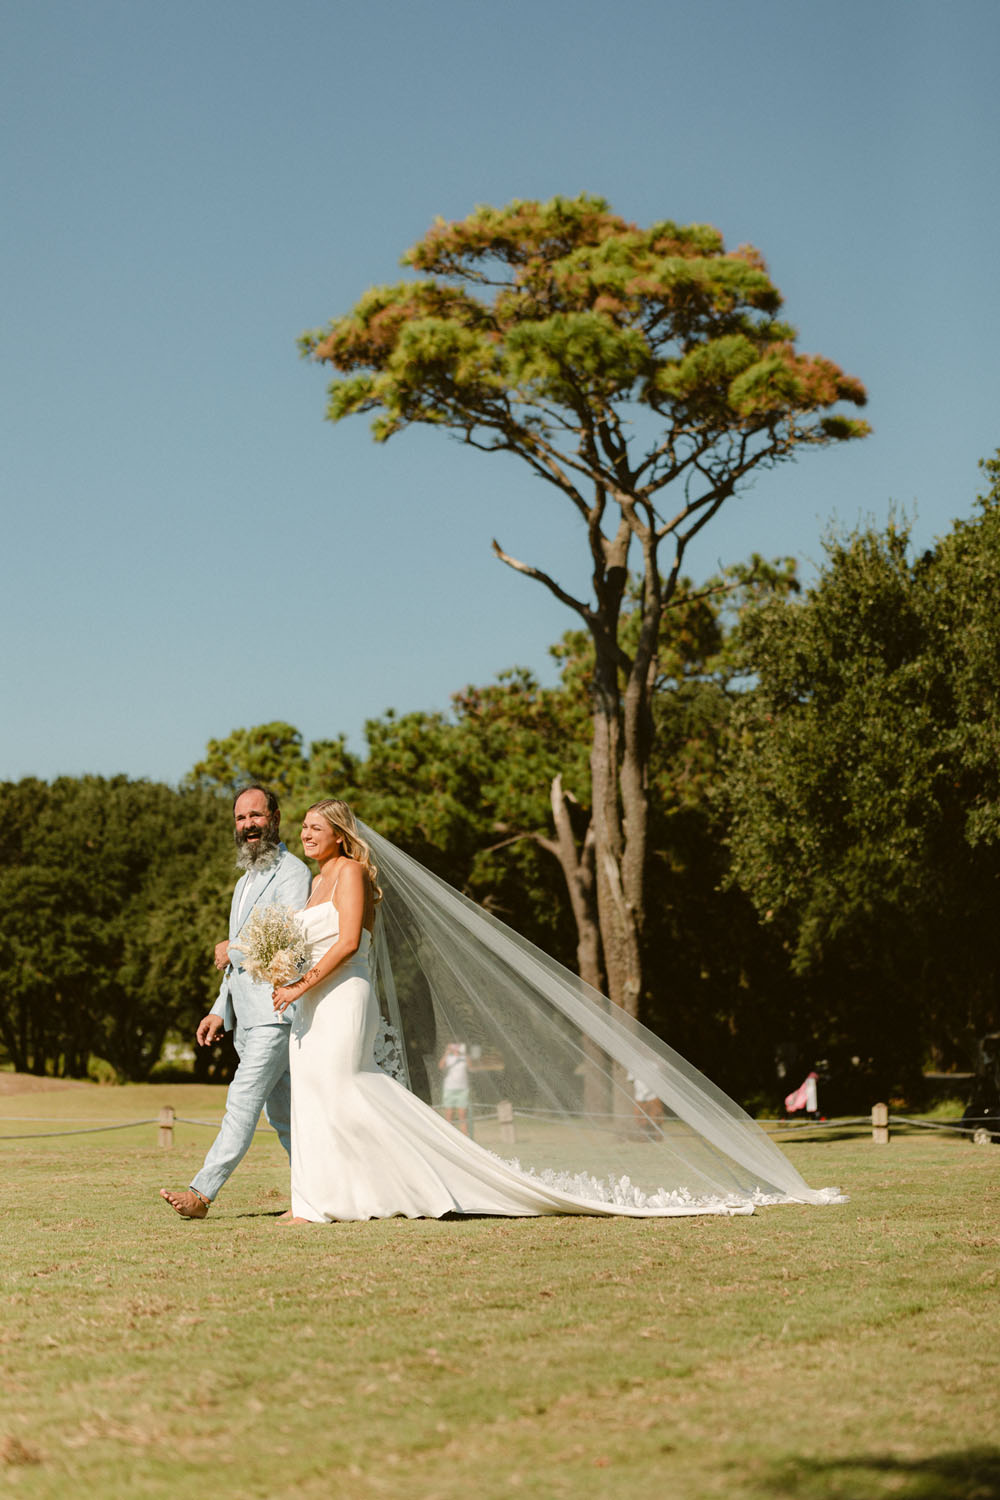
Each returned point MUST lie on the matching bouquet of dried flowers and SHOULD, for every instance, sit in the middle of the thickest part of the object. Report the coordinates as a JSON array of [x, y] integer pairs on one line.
[[273, 946]]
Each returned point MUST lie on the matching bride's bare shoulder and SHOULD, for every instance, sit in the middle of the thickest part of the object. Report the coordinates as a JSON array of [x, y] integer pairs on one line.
[[351, 875]]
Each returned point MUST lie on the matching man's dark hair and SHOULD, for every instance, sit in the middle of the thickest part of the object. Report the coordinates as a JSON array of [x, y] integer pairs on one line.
[[272, 801]]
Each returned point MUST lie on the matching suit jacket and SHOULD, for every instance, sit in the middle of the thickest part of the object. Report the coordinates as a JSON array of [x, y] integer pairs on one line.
[[286, 883]]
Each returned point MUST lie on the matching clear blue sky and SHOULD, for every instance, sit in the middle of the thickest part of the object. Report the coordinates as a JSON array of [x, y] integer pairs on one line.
[[189, 547]]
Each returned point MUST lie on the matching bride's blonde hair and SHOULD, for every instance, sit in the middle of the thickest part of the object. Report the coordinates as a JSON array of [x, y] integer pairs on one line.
[[343, 822]]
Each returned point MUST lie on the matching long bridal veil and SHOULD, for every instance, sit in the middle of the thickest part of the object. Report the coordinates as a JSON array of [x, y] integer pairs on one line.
[[560, 1080]]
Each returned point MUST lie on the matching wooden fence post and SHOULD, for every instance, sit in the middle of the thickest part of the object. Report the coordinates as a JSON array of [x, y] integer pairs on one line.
[[880, 1124], [505, 1114], [167, 1117]]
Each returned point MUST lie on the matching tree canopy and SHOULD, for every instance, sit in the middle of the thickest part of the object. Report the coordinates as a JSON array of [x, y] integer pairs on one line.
[[532, 329]]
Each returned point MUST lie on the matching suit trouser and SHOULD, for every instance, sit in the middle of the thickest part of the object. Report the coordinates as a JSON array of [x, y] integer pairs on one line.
[[260, 1082]]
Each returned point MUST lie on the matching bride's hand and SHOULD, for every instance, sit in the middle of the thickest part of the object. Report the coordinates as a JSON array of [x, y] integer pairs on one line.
[[286, 996]]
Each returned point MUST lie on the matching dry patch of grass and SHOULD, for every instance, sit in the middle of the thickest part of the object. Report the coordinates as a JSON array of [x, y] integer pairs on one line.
[[846, 1353], [29, 1083]]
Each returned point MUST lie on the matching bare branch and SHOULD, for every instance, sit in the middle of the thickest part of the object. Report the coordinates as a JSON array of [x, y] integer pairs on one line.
[[582, 609], [595, 535], [547, 461], [717, 500], [549, 845], [544, 464], [709, 593], [615, 446], [734, 467], [688, 509], [675, 467]]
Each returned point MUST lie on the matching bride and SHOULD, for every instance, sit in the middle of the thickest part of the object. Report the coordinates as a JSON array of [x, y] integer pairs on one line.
[[555, 1071]]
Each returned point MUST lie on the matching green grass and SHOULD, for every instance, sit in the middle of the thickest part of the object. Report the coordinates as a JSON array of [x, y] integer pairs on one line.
[[846, 1352]]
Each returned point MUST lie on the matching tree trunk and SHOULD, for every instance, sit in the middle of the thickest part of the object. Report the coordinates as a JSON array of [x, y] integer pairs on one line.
[[577, 865], [12, 1040], [578, 869], [615, 861], [633, 778]]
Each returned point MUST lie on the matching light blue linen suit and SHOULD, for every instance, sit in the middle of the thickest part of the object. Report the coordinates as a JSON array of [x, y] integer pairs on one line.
[[261, 1081]]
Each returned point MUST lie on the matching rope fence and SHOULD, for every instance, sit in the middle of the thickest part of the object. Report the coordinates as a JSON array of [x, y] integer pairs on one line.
[[982, 1129], [814, 1127], [164, 1121], [41, 1135]]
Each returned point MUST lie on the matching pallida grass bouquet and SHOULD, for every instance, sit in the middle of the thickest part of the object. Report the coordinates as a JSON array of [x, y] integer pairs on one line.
[[273, 946]]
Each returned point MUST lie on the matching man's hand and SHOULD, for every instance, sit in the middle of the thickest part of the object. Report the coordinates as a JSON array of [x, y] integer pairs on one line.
[[221, 954], [210, 1028]]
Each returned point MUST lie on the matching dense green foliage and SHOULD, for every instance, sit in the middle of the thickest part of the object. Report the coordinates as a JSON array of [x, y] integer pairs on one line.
[[866, 794], [113, 895]]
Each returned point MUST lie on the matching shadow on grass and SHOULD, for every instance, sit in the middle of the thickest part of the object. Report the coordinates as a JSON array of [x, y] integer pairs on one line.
[[970, 1474], [821, 1134], [450, 1218]]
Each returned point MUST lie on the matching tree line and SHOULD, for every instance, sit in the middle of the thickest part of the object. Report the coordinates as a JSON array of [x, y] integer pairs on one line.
[[112, 892], [824, 846]]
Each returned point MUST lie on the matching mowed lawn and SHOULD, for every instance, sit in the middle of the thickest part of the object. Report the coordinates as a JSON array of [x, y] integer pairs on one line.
[[849, 1351]]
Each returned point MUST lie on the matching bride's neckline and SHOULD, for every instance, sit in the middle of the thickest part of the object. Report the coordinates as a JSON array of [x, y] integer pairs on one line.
[[315, 905], [333, 889]]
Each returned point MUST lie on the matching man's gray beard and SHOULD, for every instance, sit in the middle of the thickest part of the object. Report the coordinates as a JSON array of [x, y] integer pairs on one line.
[[260, 855]]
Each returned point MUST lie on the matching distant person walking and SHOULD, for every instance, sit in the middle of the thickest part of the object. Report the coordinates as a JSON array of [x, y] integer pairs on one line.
[[454, 1065], [805, 1098], [272, 876]]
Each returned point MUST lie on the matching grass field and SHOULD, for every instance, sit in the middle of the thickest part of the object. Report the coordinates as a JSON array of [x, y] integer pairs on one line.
[[847, 1352]]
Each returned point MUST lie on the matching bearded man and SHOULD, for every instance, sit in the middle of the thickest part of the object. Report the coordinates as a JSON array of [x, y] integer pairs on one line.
[[272, 877]]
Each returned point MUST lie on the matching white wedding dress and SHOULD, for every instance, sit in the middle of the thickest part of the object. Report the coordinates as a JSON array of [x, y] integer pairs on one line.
[[365, 1147]]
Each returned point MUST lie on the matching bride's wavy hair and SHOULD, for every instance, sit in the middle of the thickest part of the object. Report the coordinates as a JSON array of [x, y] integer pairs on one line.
[[343, 822]]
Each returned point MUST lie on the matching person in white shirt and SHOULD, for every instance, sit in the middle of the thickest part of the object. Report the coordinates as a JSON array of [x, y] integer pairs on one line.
[[455, 1085]]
